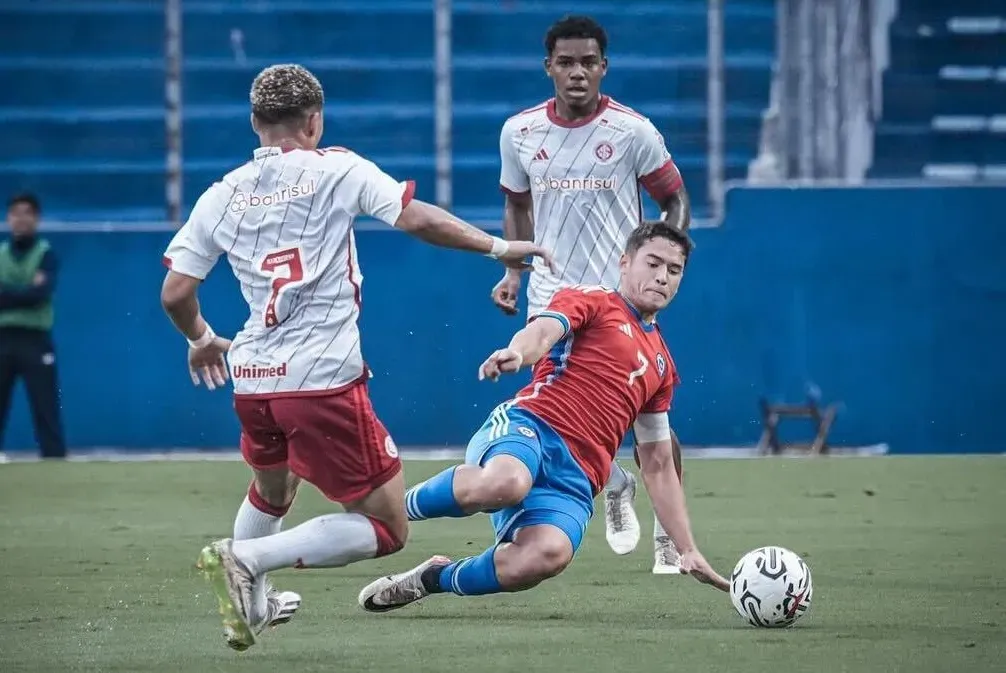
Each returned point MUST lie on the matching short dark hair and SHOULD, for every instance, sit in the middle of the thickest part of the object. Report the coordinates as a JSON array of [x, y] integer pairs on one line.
[[285, 94], [651, 229], [28, 199], [574, 27]]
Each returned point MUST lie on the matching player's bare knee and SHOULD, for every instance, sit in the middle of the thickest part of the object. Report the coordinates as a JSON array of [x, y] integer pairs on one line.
[[390, 536], [503, 490], [548, 559], [275, 488], [492, 488], [535, 561]]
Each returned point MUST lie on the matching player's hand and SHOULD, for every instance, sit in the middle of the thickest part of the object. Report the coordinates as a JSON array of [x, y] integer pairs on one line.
[[694, 563], [504, 360], [208, 362], [520, 250], [504, 295]]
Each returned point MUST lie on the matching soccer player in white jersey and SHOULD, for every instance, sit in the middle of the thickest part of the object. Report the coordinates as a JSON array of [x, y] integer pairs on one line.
[[572, 168], [284, 220]]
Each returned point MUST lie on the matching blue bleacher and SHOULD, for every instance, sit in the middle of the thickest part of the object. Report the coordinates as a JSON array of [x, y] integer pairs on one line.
[[85, 126], [944, 93]]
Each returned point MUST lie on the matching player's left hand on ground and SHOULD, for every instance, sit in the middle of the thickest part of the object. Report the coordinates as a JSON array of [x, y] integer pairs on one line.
[[694, 563], [519, 250], [504, 360], [208, 362]]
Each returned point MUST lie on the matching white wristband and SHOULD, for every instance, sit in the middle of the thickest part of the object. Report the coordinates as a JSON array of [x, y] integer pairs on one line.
[[500, 248], [205, 340]]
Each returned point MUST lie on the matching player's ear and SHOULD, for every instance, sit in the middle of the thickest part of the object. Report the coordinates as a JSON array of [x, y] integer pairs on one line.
[[547, 63], [254, 123], [604, 66], [623, 262], [315, 125]]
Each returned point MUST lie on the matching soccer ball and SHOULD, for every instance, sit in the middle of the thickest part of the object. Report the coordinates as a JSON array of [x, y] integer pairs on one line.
[[771, 587]]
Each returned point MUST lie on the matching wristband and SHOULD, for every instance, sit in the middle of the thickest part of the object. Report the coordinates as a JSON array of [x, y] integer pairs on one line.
[[500, 248], [205, 340]]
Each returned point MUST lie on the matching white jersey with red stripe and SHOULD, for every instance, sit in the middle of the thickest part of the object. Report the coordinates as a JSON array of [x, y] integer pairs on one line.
[[584, 180], [284, 220]]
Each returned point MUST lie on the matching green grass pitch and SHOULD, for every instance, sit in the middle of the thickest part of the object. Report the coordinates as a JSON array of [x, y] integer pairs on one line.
[[96, 567]]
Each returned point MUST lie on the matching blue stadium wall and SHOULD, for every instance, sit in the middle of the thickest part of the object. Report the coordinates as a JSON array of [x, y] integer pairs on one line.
[[891, 301]]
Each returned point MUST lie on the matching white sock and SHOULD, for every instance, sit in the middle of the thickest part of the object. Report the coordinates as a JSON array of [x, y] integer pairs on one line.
[[617, 479], [329, 541], [251, 522]]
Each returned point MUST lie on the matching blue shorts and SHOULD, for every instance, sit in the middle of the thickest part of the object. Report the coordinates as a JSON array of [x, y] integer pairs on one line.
[[561, 494]]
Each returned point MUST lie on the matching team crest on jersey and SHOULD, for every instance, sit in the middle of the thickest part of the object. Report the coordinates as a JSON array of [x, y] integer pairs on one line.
[[390, 448], [661, 364], [604, 151]]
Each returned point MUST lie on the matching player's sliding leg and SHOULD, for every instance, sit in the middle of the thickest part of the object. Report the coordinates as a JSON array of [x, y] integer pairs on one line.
[[371, 527], [666, 559], [503, 479], [537, 553], [261, 513], [621, 525], [540, 501]]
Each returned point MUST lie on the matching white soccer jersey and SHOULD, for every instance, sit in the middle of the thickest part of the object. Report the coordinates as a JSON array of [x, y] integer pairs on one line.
[[284, 220], [584, 180]]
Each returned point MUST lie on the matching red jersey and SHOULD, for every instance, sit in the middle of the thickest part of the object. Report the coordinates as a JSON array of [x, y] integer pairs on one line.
[[608, 368]]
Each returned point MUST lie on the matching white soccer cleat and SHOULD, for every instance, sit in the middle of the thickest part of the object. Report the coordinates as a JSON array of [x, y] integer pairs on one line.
[[234, 586], [621, 526], [666, 559], [397, 591], [281, 606]]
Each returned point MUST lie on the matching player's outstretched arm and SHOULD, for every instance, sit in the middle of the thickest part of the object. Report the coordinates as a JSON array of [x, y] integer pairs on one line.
[[526, 347], [438, 227], [206, 350], [656, 464]]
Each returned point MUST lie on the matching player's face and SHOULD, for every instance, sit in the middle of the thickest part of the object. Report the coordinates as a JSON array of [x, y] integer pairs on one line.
[[576, 67], [650, 278], [22, 220]]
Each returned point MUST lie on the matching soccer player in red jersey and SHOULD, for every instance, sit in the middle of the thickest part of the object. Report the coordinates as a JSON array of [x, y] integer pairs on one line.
[[600, 367]]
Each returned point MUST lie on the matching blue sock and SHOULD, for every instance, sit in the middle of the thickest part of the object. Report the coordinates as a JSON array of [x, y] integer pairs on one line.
[[434, 498], [473, 576]]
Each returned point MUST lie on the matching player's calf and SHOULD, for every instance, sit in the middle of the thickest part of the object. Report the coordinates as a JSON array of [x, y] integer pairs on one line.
[[537, 553], [503, 481]]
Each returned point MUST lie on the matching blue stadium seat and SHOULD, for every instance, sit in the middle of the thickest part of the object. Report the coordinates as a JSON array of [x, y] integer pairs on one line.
[[944, 109], [87, 132]]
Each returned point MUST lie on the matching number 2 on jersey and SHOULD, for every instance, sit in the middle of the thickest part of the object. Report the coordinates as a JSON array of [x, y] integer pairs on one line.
[[285, 266], [643, 365]]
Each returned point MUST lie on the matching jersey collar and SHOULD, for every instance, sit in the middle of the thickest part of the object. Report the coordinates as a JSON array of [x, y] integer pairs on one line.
[[646, 326], [553, 116]]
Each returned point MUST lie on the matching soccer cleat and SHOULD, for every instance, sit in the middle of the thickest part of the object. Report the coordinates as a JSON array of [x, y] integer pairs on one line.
[[666, 559], [233, 585], [281, 606], [621, 526], [397, 591]]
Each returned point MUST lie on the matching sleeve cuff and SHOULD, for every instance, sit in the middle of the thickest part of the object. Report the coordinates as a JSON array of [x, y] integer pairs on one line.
[[558, 316]]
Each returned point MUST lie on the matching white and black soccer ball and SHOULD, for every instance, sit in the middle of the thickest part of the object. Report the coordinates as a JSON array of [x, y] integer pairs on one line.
[[771, 587]]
